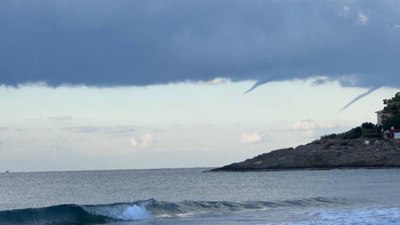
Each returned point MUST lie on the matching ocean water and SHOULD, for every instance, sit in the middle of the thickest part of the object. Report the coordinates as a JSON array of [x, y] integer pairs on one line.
[[190, 196]]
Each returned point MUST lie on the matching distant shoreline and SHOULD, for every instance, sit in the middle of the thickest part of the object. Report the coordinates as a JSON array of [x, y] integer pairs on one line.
[[324, 154], [302, 169]]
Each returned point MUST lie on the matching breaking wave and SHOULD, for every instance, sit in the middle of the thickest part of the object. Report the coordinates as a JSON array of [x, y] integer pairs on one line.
[[142, 210]]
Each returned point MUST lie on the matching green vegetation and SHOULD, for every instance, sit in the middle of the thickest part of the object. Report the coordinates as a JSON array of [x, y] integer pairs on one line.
[[392, 105], [367, 130], [370, 130], [391, 112], [351, 134], [393, 121], [391, 118]]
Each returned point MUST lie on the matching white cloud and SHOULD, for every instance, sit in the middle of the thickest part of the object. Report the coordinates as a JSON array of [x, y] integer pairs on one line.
[[311, 129], [146, 140], [133, 142], [143, 141], [362, 19], [346, 10], [348, 80], [251, 138], [215, 81], [219, 80], [311, 125]]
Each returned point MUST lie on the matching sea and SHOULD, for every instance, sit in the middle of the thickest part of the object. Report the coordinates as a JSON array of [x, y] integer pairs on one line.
[[193, 196]]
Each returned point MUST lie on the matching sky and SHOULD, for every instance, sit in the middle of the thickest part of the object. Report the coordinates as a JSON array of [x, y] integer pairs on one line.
[[100, 84]]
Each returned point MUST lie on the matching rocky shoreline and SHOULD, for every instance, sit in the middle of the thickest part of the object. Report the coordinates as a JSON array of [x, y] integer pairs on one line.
[[325, 153]]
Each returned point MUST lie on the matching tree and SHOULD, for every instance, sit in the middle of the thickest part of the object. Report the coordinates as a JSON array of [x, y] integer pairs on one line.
[[393, 121], [353, 133], [367, 126], [392, 105], [391, 112], [370, 130]]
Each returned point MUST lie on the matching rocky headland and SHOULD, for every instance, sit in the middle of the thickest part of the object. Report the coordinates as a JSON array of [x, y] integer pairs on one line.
[[326, 153], [367, 146]]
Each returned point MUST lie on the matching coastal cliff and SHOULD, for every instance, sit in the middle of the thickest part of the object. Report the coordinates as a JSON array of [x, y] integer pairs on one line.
[[325, 153]]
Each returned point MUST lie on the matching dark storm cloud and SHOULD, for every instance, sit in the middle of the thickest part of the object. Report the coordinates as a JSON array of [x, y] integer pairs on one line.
[[124, 42]]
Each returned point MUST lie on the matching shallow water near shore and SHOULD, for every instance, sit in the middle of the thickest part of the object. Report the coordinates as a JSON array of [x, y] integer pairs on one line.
[[189, 196]]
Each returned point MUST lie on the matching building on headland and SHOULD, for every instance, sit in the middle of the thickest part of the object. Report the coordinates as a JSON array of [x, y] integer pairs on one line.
[[396, 134], [392, 134], [380, 116]]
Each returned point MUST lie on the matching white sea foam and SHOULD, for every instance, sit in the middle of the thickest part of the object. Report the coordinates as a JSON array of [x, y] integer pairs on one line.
[[134, 213], [184, 215], [121, 212], [371, 216], [362, 216]]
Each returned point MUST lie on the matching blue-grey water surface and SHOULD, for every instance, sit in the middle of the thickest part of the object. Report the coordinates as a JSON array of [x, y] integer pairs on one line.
[[190, 196]]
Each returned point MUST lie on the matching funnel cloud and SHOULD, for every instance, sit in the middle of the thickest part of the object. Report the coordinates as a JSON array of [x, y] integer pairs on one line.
[[136, 43]]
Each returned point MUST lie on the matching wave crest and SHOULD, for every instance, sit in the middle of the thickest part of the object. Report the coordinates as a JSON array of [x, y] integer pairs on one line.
[[120, 211], [142, 210]]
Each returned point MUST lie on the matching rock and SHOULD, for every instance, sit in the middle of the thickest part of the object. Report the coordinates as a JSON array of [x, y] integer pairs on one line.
[[325, 154]]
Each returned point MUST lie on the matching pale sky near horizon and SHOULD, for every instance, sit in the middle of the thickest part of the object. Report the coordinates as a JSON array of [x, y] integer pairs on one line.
[[176, 125], [98, 84]]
